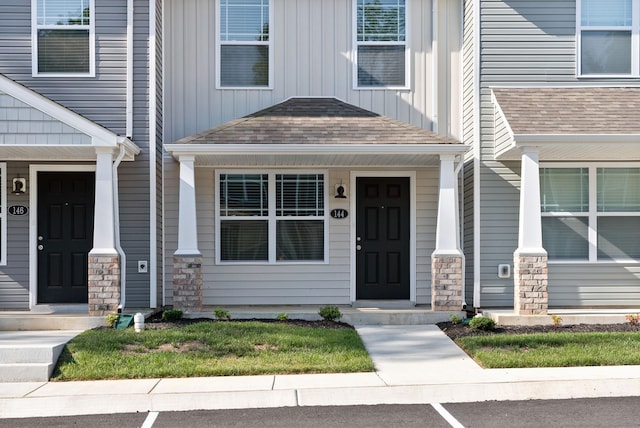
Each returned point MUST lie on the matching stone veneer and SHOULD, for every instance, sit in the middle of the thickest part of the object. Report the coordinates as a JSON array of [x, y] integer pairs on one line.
[[530, 283], [446, 283], [104, 284], [187, 283]]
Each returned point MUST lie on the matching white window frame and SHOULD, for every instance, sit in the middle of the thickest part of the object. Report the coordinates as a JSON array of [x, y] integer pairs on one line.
[[34, 42], [218, 52], [635, 42], [3, 213], [592, 214], [272, 218], [356, 44]]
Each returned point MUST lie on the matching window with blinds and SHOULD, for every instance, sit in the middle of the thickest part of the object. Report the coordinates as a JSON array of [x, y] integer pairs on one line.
[[272, 217], [381, 46], [590, 213], [63, 37], [244, 43]]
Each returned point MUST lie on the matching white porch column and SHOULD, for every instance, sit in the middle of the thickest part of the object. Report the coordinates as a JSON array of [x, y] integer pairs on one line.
[[103, 226], [447, 260], [530, 259], [187, 260], [104, 261], [187, 225]]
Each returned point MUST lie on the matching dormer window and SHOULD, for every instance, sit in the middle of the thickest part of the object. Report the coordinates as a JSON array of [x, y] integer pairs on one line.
[[63, 37], [608, 32]]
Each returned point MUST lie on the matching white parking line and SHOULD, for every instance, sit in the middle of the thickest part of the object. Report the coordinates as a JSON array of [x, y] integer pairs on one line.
[[446, 415], [151, 418]]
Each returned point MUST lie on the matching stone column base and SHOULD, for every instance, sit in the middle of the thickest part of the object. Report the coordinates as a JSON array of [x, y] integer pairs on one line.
[[187, 283], [530, 283], [446, 283], [104, 284]]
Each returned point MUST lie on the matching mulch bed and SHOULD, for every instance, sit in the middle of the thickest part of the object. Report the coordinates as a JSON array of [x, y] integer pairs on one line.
[[455, 331], [155, 322]]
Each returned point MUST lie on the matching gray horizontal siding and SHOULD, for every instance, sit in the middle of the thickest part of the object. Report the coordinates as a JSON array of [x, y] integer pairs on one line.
[[100, 98]]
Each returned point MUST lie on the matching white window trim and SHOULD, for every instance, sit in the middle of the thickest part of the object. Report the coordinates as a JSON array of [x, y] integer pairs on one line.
[[272, 218], [3, 213], [407, 49], [592, 213], [34, 42], [635, 42], [219, 43]]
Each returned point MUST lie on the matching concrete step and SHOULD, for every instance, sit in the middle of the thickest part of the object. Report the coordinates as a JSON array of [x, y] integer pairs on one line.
[[28, 321], [27, 372], [31, 356], [382, 315]]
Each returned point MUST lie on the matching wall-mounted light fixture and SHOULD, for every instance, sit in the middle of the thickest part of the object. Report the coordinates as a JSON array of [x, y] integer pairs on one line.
[[19, 186], [340, 191]]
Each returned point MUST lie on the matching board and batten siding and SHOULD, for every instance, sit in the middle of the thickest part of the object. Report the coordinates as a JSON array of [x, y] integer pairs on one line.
[[312, 44], [529, 43], [294, 284]]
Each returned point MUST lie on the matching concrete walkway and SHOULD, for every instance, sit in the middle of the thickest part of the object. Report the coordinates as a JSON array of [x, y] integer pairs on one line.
[[414, 365]]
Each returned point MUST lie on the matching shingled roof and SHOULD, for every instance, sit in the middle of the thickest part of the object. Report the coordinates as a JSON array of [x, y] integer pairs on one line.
[[577, 110], [316, 121]]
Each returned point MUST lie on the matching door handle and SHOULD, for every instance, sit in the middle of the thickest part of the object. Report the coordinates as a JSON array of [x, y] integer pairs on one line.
[[358, 247]]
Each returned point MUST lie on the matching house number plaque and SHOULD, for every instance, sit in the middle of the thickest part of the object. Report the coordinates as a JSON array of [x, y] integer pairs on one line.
[[18, 210], [339, 213]]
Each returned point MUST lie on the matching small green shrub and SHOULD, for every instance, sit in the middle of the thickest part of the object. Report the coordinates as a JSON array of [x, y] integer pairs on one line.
[[330, 313], [283, 316], [221, 314], [482, 323], [171, 315], [112, 319], [455, 319]]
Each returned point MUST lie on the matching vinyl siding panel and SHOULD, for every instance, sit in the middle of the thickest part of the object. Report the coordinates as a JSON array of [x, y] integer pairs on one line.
[[312, 42], [529, 43], [293, 284], [14, 277]]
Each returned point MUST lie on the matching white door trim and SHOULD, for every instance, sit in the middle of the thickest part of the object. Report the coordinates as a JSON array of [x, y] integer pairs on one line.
[[33, 219], [412, 233]]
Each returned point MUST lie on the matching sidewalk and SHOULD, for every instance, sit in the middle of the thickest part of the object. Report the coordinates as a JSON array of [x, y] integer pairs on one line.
[[414, 365]]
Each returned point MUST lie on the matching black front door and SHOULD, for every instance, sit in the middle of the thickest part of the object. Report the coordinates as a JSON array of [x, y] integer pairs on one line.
[[382, 238], [65, 235]]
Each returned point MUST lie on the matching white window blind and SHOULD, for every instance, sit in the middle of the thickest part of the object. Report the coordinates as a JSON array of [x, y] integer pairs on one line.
[[272, 217]]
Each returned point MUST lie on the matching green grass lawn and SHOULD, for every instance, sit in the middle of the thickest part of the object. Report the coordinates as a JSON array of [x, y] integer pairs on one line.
[[212, 349], [553, 349]]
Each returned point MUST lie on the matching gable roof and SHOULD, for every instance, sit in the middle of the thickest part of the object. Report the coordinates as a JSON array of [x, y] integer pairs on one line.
[[568, 123], [306, 127], [99, 136]]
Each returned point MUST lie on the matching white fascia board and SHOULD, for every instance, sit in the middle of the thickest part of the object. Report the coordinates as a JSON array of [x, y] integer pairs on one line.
[[314, 149], [59, 112], [522, 140]]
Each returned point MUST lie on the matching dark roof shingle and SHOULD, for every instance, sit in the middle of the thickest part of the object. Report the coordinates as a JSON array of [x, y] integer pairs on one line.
[[316, 121], [578, 110]]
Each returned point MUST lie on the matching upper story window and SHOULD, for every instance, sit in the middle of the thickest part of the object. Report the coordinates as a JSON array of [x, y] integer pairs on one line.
[[608, 32], [590, 213], [244, 43], [63, 37], [381, 51]]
